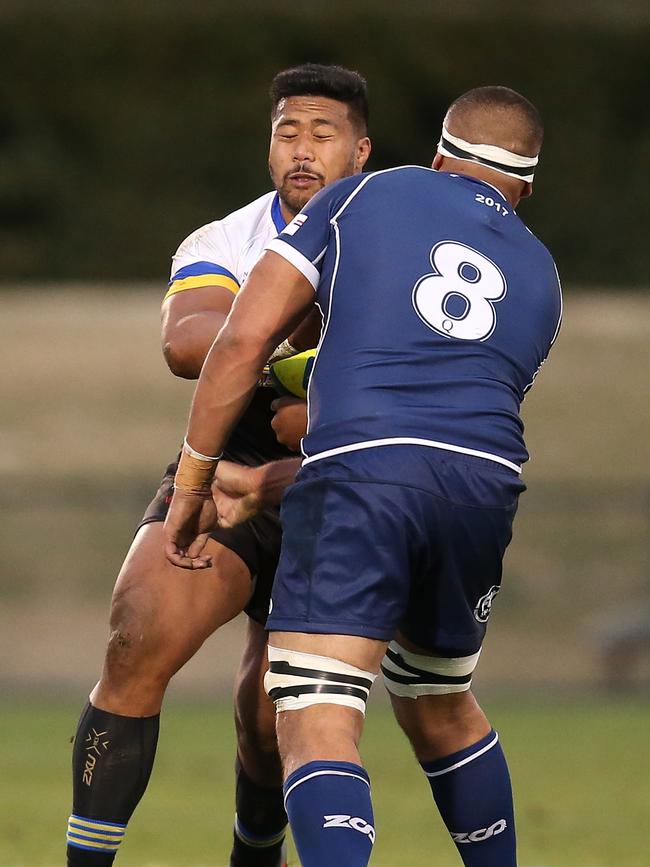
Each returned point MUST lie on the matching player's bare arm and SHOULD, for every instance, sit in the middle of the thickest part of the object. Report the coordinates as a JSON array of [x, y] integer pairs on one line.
[[307, 334], [273, 301], [241, 492], [190, 322]]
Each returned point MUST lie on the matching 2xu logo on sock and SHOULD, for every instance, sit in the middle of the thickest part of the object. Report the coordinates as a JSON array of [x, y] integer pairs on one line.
[[482, 833], [353, 822], [93, 747]]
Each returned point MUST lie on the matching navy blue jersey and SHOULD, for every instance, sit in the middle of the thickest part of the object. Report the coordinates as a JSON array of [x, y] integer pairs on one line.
[[439, 308]]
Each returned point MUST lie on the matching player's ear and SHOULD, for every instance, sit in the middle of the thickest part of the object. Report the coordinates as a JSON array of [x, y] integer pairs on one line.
[[364, 146], [527, 191], [437, 161]]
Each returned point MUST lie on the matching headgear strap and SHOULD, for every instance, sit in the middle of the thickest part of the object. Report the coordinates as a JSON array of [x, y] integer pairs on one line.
[[499, 159]]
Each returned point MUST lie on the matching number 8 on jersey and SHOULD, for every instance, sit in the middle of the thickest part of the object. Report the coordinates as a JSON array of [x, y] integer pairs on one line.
[[458, 299]]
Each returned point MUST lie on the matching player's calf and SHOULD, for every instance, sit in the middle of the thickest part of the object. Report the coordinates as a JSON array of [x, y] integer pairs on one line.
[[159, 619], [112, 761], [458, 751], [260, 818]]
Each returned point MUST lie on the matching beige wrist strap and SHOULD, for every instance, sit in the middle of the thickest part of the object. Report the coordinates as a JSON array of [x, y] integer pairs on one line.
[[195, 471]]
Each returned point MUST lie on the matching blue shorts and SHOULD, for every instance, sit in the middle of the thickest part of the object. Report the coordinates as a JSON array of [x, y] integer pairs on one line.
[[395, 537]]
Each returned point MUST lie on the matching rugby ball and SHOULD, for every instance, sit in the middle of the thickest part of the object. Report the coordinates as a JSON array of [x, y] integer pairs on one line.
[[290, 376]]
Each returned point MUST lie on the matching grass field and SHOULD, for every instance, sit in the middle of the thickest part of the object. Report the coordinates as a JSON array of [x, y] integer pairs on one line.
[[581, 773], [90, 417]]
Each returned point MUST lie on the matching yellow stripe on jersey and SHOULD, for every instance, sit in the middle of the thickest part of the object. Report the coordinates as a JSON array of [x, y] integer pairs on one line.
[[202, 281]]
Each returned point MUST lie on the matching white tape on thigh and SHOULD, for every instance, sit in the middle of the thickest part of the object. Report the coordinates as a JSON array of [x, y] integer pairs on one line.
[[297, 680], [410, 675]]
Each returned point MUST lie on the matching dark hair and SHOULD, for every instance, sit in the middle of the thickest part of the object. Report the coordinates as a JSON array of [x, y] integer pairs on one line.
[[319, 79], [504, 98]]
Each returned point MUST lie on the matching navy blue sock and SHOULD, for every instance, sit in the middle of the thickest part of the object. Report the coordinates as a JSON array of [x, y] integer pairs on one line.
[[472, 791], [330, 814]]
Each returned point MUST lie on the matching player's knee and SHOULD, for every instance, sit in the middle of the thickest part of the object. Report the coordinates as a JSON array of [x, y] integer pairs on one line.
[[134, 645], [411, 675], [297, 680], [255, 725], [257, 745]]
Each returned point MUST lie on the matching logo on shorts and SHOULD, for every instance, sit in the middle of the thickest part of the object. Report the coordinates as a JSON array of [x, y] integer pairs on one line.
[[484, 605], [482, 833], [353, 822]]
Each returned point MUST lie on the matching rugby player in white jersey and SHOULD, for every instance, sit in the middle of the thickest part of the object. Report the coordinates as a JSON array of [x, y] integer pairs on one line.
[[161, 614]]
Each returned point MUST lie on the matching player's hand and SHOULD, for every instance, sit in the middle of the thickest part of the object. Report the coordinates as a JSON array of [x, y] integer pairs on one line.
[[190, 520], [236, 494], [289, 421]]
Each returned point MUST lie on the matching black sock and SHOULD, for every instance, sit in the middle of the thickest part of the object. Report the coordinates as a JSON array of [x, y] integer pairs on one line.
[[260, 823], [112, 760]]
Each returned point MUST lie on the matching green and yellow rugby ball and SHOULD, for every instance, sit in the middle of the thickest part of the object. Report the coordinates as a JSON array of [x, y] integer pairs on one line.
[[290, 376]]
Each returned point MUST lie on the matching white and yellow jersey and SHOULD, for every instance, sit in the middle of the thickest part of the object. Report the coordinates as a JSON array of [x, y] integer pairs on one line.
[[223, 252]]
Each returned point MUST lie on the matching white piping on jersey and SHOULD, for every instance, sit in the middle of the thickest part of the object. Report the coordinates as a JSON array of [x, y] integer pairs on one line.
[[410, 441], [296, 258], [335, 271], [466, 761], [557, 329], [323, 774], [559, 321]]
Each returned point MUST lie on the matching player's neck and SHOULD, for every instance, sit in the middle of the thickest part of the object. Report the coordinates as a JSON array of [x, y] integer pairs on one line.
[[511, 188]]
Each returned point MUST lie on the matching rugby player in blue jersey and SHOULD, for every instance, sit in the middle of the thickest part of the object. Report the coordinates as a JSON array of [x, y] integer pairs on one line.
[[159, 619], [440, 306]]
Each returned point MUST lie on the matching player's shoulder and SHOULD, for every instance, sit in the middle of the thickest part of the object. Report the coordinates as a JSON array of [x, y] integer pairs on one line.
[[251, 215], [343, 191], [396, 175], [234, 227], [539, 249]]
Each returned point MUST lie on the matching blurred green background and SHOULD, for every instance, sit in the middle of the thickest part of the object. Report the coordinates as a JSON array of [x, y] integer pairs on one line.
[[125, 126]]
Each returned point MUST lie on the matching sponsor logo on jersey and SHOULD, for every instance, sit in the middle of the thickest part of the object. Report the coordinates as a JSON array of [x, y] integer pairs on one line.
[[484, 605], [482, 833], [295, 224], [353, 822]]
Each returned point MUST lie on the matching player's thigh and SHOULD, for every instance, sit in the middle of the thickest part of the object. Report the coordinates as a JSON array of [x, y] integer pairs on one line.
[[361, 652], [168, 611]]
